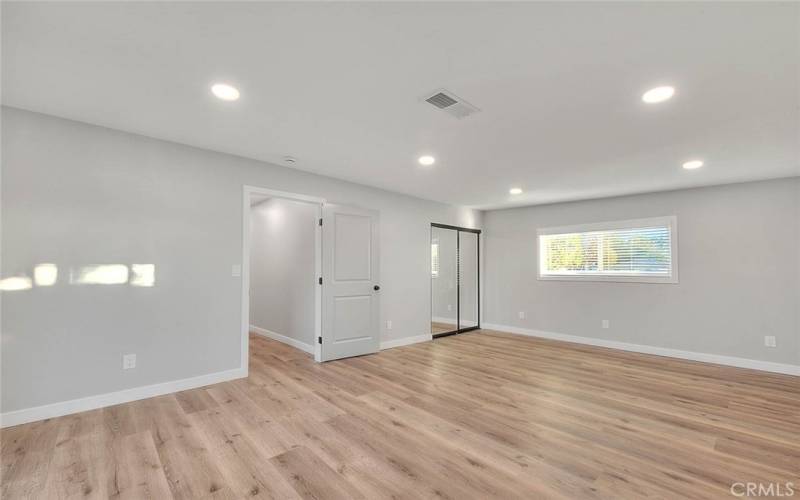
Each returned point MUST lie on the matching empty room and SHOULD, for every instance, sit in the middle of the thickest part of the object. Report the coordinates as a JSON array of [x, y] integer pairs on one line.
[[367, 250]]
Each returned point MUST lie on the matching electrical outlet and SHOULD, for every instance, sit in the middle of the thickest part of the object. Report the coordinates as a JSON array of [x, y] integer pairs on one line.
[[449, 307], [236, 270], [521, 315], [606, 323], [389, 324], [128, 361], [769, 341]]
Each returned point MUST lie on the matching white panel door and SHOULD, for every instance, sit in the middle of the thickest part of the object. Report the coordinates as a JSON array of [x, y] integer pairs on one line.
[[350, 284]]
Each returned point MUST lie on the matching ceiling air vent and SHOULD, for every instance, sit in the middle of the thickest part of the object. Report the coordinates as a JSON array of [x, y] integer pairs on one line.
[[451, 104], [441, 100]]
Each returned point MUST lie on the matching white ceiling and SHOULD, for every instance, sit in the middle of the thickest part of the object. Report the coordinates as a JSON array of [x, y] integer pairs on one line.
[[338, 86]]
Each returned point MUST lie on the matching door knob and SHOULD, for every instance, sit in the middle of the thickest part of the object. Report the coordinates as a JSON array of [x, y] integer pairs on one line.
[[376, 288]]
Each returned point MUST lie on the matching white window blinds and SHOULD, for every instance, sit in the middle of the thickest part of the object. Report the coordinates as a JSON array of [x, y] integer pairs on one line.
[[625, 249]]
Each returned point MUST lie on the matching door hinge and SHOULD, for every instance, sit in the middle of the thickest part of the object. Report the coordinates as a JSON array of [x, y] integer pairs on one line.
[[320, 280], [320, 221], [319, 339]]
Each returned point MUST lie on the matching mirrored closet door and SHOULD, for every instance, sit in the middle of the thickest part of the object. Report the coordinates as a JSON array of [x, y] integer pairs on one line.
[[455, 279]]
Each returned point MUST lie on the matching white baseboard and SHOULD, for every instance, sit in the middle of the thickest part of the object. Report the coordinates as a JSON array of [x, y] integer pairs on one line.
[[283, 338], [752, 364], [406, 341], [114, 398]]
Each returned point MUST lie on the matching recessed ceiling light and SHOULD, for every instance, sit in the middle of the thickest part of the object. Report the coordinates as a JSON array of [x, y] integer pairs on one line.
[[658, 94], [426, 160], [693, 164], [290, 159], [515, 191], [225, 92]]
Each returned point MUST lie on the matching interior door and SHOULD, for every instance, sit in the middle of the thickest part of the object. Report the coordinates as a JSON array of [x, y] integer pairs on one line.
[[350, 284]]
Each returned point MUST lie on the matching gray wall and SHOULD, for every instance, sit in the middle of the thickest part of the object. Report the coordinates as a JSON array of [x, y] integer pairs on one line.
[[76, 195], [739, 273], [282, 267]]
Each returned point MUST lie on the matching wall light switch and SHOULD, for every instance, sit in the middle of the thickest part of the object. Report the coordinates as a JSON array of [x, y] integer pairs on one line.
[[128, 361], [606, 323], [236, 270], [769, 341]]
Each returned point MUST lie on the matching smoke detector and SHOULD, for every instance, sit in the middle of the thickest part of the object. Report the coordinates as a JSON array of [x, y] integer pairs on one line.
[[450, 103]]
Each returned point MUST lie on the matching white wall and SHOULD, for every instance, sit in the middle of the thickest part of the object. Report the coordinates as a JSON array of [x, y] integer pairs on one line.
[[739, 273], [76, 195], [282, 268]]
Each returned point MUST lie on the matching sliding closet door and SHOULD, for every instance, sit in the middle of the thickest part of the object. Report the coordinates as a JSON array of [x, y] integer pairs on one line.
[[444, 280], [468, 280], [455, 279]]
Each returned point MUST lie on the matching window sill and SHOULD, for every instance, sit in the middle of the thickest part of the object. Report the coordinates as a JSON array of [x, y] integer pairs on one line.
[[668, 280]]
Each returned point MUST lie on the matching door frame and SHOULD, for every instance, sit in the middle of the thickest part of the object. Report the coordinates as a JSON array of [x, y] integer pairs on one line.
[[459, 230], [247, 191]]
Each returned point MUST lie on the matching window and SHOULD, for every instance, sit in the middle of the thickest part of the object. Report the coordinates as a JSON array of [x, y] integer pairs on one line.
[[434, 260], [642, 250]]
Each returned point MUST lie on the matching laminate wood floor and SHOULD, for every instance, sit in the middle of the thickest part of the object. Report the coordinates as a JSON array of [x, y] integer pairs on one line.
[[478, 415]]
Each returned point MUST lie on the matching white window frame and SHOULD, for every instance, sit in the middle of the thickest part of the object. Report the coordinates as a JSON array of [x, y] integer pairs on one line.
[[671, 221]]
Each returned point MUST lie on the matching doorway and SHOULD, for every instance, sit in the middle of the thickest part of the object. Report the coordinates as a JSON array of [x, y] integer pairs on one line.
[[281, 260], [309, 274], [455, 279]]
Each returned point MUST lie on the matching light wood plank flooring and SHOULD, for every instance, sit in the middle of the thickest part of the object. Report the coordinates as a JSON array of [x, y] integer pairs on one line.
[[478, 415]]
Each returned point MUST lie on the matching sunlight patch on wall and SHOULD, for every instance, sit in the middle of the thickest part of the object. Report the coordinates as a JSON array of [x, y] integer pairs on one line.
[[143, 274], [108, 274], [45, 274], [15, 283]]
